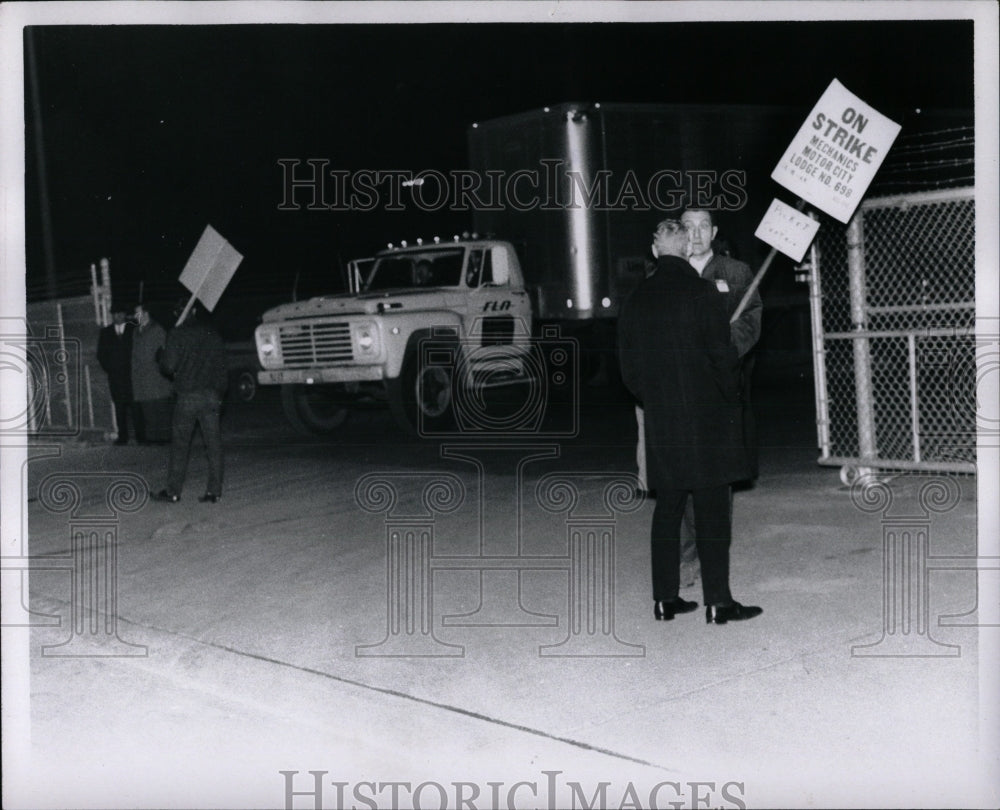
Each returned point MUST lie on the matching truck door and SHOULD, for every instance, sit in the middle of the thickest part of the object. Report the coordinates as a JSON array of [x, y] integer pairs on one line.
[[498, 313]]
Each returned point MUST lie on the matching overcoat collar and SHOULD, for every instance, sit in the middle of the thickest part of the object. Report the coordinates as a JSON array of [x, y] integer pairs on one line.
[[675, 264]]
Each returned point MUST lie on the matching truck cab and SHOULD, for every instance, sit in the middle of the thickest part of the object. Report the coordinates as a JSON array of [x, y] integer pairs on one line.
[[420, 324]]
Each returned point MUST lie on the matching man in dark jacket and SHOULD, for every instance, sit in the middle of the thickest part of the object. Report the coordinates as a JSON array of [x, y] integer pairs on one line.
[[732, 278], [114, 353], [195, 357], [677, 359]]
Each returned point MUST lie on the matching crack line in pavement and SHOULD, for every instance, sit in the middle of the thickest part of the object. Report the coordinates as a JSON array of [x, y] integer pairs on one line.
[[404, 696]]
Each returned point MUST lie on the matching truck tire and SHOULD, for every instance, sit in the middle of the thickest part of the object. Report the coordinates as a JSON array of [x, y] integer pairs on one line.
[[313, 409], [422, 399]]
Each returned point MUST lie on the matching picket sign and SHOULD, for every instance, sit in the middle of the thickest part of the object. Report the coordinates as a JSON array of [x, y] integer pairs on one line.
[[829, 164], [208, 270]]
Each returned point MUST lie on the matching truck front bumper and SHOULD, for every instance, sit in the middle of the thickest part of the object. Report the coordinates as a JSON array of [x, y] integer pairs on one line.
[[310, 376]]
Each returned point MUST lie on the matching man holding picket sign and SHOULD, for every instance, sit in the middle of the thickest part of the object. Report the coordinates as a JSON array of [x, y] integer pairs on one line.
[[732, 278], [195, 357]]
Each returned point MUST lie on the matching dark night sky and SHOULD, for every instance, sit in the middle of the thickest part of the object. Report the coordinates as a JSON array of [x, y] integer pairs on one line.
[[151, 132]]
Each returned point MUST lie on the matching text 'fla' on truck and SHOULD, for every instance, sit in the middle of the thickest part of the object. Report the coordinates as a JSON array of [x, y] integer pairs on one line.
[[421, 328]]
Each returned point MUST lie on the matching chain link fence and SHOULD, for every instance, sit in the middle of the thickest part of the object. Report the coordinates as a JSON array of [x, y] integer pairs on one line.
[[894, 343]]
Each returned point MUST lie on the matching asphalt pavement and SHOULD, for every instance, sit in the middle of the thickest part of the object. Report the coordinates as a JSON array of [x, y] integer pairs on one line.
[[371, 621]]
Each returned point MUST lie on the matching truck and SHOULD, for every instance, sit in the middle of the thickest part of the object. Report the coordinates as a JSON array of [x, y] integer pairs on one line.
[[564, 201], [419, 326]]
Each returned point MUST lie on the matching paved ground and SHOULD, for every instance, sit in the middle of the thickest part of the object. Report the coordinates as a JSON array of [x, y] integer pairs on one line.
[[259, 636]]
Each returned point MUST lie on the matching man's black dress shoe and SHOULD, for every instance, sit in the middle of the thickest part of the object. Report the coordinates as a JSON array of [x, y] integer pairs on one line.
[[733, 612], [209, 497], [165, 496], [665, 609]]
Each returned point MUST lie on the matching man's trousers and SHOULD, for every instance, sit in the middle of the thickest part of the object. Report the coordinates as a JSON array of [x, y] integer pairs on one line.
[[201, 408], [713, 534]]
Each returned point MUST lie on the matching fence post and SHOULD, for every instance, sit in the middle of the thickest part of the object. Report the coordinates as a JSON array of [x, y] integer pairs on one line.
[[911, 351], [818, 350], [95, 292], [65, 376], [862, 350], [106, 292], [90, 395]]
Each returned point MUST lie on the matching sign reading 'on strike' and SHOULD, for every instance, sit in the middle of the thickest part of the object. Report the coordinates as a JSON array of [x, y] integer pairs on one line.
[[834, 156]]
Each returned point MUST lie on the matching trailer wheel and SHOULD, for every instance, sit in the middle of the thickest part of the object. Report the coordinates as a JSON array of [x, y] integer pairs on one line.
[[313, 409], [422, 398]]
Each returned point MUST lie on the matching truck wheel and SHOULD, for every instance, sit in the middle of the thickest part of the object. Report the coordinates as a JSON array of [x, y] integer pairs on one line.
[[422, 399], [313, 409]]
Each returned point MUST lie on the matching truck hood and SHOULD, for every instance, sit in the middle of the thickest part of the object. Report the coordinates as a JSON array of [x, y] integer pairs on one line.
[[367, 303]]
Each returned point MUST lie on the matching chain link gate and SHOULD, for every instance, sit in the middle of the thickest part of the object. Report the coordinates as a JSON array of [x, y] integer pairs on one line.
[[892, 298]]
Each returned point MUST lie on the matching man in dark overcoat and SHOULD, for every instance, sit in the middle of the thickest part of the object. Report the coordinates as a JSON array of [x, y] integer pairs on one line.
[[677, 359], [732, 278], [114, 353]]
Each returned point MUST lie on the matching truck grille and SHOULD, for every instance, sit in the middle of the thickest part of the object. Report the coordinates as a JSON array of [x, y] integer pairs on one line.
[[309, 344]]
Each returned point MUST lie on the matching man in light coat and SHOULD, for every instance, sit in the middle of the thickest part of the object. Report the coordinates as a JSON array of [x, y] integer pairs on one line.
[[151, 390]]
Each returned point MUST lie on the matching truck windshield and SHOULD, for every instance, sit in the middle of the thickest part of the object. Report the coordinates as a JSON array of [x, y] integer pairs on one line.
[[437, 268]]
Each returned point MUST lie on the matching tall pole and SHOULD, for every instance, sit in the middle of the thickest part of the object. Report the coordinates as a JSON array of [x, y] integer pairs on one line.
[[51, 285]]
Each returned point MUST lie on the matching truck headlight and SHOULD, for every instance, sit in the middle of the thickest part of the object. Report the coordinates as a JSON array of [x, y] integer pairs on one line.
[[268, 346], [366, 341]]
